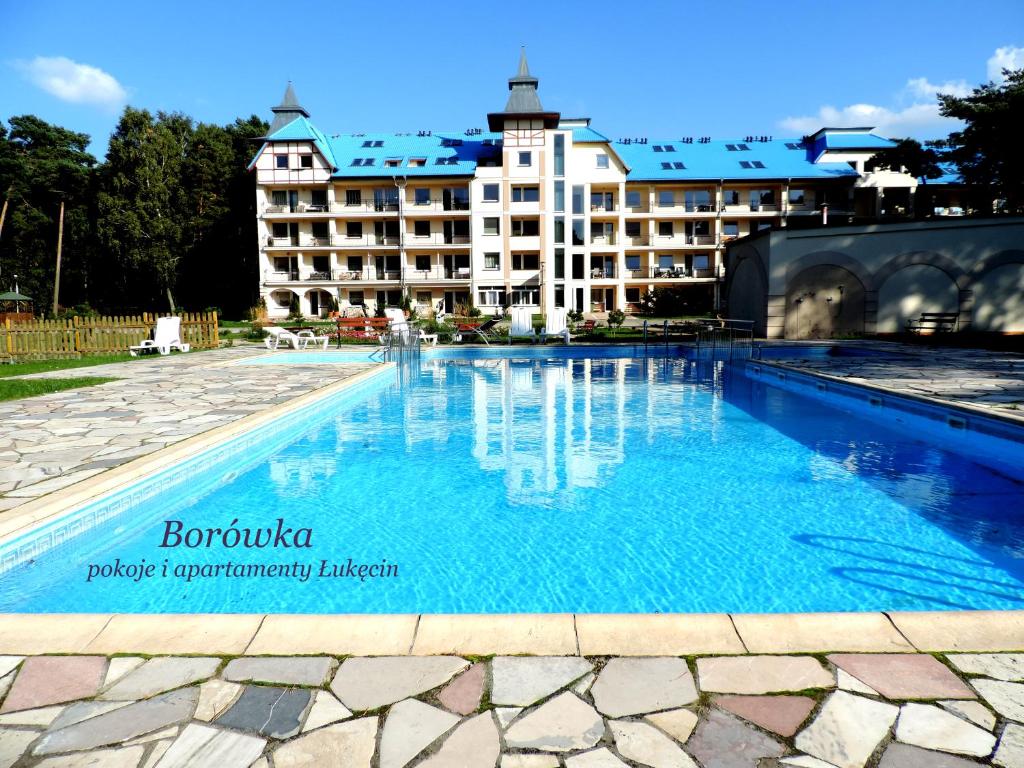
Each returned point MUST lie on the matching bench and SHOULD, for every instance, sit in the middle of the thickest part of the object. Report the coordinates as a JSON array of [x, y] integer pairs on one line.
[[936, 322], [362, 327]]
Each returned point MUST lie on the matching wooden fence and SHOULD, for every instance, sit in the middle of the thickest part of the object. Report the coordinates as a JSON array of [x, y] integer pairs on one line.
[[97, 335]]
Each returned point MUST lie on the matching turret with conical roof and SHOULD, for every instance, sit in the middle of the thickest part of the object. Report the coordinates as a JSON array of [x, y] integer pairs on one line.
[[287, 110], [523, 101]]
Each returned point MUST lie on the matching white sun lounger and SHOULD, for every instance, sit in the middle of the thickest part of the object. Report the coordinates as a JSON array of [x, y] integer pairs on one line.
[[166, 336], [277, 336], [557, 324], [522, 324]]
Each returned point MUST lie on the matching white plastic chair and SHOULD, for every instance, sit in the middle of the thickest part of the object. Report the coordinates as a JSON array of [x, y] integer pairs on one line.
[[557, 324], [166, 336], [278, 336], [522, 324]]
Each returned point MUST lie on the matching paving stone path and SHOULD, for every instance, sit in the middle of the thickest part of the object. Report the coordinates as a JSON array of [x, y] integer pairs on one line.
[[56, 440], [992, 380], [951, 710]]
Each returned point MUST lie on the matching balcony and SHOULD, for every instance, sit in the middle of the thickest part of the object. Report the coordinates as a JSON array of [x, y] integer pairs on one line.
[[606, 272], [439, 205], [410, 275], [684, 241], [599, 240], [674, 273]]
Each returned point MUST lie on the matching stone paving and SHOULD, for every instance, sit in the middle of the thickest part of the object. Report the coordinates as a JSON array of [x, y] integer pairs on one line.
[[991, 380], [951, 710], [53, 441]]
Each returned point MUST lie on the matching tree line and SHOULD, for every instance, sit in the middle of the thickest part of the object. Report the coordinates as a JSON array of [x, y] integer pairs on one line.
[[166, 221]]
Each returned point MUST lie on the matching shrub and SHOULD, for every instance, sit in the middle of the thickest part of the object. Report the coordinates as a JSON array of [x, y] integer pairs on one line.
[[294, 313], [616, 318]]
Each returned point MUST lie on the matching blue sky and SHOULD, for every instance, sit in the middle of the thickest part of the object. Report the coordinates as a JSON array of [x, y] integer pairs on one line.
[[638, 68]]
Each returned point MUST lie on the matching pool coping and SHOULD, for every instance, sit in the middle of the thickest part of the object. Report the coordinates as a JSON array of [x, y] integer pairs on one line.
[[565, 634]]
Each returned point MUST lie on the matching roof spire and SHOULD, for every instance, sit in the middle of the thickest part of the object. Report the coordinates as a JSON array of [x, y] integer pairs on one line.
[[524, 69], [522, 99], [288, 110]]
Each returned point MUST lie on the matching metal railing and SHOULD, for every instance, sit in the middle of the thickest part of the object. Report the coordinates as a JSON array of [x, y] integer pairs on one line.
[[735, 338], [365, 241], [409, 274], [370, 206]]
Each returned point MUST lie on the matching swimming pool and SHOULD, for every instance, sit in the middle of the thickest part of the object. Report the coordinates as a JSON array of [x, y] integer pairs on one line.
[[554, 483]]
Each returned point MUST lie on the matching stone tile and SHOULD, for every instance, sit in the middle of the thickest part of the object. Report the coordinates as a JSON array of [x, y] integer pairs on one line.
[[506, 715], [905, 756], [368, 683], [929, 727], [486, 634], [42, 716], [120, 666], [157, 752], [972, 711], [979, 631], [847, 682], [677, 723], [44, 680], [1010, 752], [582, 686], [464, 693], [201, 744], [1000, 666], [595, 758], [779, 714], [360, 635], [350, 744], [762, 674], [274, 712], [215, 696], [9, 663], [84, 710], [562, 724], [167, 734], [226, 634], [526, 760], [6, 682], [474, 744], [1005, 698], [634, 686], [159, 675], [818, 632], [325, 710], [639, 634], [410, 727], [122, 724], [647, 745], [524, 680], [847, 730], [13, 744], [283, 670], [724, 741], [128, 757], [803, 761], [904, 676]]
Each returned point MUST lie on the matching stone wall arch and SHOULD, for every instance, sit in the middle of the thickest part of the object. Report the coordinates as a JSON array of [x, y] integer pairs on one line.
[[824, 301], [997, 285], [916, 287], [831, 258], [939, 261], [747, 291]]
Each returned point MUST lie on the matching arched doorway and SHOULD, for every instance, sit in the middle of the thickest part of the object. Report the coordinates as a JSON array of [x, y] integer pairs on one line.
[[823, 302]]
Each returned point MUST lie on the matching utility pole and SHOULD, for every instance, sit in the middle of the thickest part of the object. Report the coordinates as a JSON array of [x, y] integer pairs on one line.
[[60, 243]]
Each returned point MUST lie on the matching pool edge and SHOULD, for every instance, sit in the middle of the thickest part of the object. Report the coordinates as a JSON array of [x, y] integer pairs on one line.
[[512, 634]]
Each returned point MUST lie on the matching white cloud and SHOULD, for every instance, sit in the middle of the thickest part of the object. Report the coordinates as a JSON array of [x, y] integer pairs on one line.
[[920, 88], [73, 82], [1007, 57]]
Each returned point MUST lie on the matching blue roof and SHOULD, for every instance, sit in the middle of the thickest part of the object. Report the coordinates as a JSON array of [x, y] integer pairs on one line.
[[776, 159], [301, 129], [444, 154], [838, 139], [587, 135], [950, 175]]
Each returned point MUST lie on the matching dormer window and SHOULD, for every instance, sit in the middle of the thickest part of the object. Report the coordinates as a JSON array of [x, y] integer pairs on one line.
[[362, 162], [372, 144], [392, 162], [417, 162]]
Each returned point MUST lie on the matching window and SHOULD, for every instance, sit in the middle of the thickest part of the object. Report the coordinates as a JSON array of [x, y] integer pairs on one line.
[[305, 161], [525, 194], [422, 263], [577, 232], [421, 196], [372, 143], [665, 261], [492, 261], [392, 162], [698, 228], [353, 197], [633, 263], [793, 145], [632, 229], [577, 199], [700, 262], [745, 164], [559, 196], [602, 229], [280, 230], [559, 154], [525, 295], [731, 228], [418, 162], [279, 197], [492, 296], [698, 200], [525, 159], [421, 228], [560, 230], [664, 148], [757, 164], [283, 263], [318, 199], [559, 295], [525, 227], [354, 229], [490, 193], [666, 198], [491, 225], [796, 197], [665, 229], [355, 263], [282, 161], [602, 161], [559, 263], [632, 295], [525, 261], [743, 147], [320, 231], [633, 199], [602, 201], [731, 197], [362, 162], [355, 298], [424, 298]]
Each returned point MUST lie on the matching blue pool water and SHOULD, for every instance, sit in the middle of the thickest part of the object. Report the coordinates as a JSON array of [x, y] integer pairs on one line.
[[558, 484]]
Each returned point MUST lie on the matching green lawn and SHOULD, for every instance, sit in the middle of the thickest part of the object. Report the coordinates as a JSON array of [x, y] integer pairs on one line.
[[41, 366], [14, 389]]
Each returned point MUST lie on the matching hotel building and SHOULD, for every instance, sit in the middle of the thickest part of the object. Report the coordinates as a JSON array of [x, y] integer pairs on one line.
[[537, 209]]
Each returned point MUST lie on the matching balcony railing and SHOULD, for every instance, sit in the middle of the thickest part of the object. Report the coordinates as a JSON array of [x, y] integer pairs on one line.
[[365, 241], [370, 273], [602, 273], [370, 206], [602, 239], [601, 208], [674, 273]]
